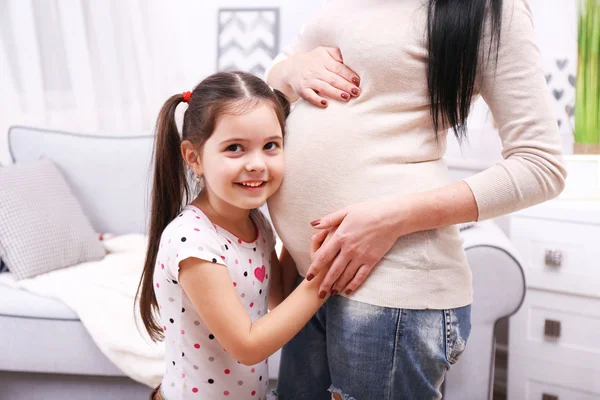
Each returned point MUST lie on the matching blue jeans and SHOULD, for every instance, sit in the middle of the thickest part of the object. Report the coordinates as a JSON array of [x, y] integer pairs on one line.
[[366, 352]]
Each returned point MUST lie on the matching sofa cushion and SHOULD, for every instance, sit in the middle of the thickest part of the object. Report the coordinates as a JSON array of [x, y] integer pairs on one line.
[[20, 303], [42, 225]]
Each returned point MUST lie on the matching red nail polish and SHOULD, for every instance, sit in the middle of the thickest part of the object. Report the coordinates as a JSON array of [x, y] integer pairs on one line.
[[309, 277], [356, 81], [334, 292], [348, 291], [315, 222], [322, 294], [354, 91], [324, 102], [345, 96]]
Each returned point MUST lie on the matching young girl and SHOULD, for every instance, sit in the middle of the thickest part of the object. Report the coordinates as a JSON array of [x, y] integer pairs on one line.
[[211, 270]]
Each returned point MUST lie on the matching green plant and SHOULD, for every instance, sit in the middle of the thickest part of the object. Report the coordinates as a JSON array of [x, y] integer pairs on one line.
[[587, 97]]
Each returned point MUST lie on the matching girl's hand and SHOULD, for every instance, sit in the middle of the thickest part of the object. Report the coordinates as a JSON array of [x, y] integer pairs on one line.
[[362, 234], [318, 73]]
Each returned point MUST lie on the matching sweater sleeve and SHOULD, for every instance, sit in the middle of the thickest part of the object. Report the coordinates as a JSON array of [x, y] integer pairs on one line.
[[515, 91]]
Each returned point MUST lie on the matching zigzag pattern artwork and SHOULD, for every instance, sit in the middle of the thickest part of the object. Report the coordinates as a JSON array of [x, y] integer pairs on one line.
[[248, 39]]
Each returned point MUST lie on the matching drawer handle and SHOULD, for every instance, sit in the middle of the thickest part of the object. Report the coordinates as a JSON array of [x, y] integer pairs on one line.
[[546, 396], [553, 258], [552, 328]]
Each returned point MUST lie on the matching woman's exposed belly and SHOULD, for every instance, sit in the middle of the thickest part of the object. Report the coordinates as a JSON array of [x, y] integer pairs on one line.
[[346, 154]]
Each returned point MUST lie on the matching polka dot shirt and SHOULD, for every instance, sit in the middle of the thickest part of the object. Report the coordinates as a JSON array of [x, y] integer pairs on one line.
[[197, 367]]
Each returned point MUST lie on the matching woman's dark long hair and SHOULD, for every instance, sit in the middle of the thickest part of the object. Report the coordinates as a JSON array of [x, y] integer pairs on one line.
[[223, 92], [454, 34]]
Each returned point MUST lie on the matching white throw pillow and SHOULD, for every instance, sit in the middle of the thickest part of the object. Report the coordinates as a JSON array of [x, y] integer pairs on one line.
[[42, 225]]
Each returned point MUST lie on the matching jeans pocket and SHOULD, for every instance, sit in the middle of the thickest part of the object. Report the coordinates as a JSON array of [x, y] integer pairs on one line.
[[457, 323]]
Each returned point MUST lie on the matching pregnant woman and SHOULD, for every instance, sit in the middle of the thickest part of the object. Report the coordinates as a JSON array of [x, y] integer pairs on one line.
[[380, 84]]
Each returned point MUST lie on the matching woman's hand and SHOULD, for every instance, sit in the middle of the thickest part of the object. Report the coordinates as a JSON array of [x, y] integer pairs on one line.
[[362, 234], [320, 73]]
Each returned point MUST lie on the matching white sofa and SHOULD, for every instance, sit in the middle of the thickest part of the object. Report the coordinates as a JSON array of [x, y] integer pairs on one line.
[[46, 353]]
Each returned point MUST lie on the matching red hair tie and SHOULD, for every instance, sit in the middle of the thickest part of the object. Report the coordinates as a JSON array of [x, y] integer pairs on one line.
[[187, 96]]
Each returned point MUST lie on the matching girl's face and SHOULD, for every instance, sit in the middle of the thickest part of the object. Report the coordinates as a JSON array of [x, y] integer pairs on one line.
[[242, 161]]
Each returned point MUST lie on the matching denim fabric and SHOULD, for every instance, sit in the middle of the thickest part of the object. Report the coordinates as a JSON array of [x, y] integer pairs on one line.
[[366, 352]]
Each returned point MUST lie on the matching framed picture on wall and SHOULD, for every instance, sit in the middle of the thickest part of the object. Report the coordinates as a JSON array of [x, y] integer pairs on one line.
[[247, 39]]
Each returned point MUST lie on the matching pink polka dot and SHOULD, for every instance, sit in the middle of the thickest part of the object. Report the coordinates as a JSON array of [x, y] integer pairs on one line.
[[157, 285], [223, 257], [177, 255], [197, 230], [164, 328], [197, 346], [182, 332], [195, 390], [240, 241], [182, 376], [267, 276], [250, 260], [253, 392], [236, 261], [227, 372], [234, 284], [226, 393], [229, 241], [197, 217], [252, 370], [162, 266], [251, 304]]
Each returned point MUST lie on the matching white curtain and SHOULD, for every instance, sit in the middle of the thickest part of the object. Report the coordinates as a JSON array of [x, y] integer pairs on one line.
[[92, 66]]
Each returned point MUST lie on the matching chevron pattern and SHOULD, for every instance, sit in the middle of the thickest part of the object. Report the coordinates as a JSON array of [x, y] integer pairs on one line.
[[248, 39]]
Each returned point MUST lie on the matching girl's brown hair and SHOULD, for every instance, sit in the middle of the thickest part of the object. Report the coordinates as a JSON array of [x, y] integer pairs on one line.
[[221, 93]]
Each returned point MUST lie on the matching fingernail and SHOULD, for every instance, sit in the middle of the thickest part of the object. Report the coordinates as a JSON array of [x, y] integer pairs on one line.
[[309, 277], [322, 294], [334, 292], [315, 222], [345, 96], [348, 291], [356, 81], [354, 91], [324, 102]]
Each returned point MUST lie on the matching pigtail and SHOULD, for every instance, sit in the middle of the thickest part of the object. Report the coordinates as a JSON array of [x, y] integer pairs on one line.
[[169, 189]]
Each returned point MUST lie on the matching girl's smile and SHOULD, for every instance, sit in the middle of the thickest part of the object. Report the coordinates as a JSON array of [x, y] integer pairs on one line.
[[242, 162]]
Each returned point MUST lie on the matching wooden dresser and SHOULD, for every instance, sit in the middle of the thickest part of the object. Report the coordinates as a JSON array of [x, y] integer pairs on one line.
[[554, 339]]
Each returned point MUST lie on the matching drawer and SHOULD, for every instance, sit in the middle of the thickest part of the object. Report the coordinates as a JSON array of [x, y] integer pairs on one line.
[[530, 379], [548, 391], [558, 255], [559, 328]]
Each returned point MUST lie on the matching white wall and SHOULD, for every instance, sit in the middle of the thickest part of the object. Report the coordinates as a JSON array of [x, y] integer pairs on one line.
[[293, 14], [555, 22], [197, 29]]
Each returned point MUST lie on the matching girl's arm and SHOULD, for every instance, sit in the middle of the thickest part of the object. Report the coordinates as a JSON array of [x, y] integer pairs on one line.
[[284, 275], [211, 290]]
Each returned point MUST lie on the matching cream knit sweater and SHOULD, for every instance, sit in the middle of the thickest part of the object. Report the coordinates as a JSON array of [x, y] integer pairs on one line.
[[383, 143]]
